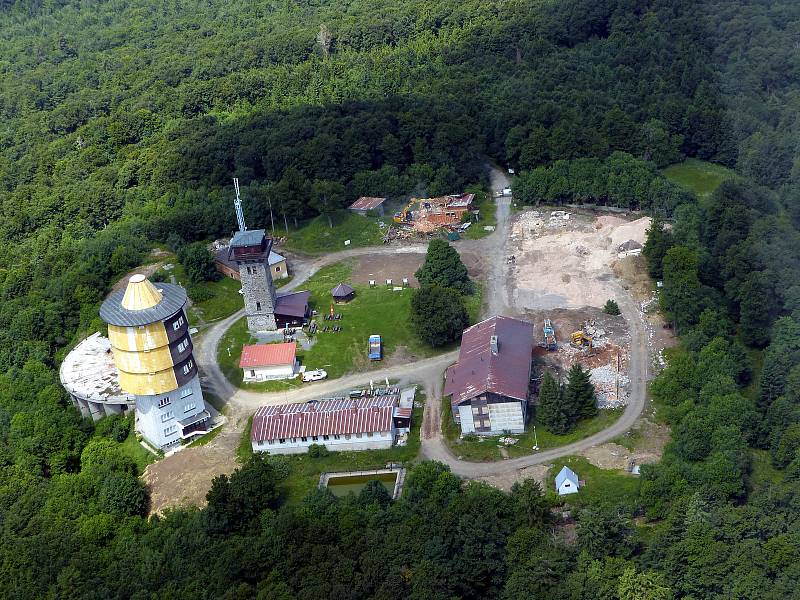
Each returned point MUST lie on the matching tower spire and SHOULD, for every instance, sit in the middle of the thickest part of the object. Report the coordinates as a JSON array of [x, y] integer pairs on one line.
[[238, 206]]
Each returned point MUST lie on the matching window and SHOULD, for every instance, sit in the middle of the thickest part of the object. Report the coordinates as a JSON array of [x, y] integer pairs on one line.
[[183, 345], [303, 439], [337, 436], [164, 402], [170, 430], [475, 410], [187, 367], [326, 437], [277, 269], [167, 416], [314, 438], [258, 306], [252, 373], [186, 392], [369, 434], [358, 435], [189, 406], [282, 441], [178, 324], [347, 436]]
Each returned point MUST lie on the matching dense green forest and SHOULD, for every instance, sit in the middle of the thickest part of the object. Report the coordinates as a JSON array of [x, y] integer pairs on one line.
[[122, 125]]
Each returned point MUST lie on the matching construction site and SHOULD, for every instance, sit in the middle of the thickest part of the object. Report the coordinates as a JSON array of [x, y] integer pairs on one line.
[[561, 271], [427, 215]]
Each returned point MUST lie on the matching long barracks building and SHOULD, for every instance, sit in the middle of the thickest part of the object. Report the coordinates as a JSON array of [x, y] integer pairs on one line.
[[152, 348]]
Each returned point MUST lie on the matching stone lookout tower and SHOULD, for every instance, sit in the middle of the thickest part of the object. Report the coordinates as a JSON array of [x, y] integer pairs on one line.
[[152, 349], [250, 251]]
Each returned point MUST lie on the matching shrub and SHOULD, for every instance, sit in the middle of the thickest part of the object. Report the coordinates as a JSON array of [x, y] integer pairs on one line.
[[611, 307], [318, 451]]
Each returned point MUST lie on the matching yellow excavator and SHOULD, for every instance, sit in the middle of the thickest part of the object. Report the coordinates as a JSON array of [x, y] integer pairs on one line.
[[580, 339], [402, 216]]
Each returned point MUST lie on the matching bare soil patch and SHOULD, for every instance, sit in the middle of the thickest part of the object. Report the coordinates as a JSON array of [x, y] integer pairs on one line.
[[380, 267], [566, 260], [184, 478], [146, 270], [504, 481]]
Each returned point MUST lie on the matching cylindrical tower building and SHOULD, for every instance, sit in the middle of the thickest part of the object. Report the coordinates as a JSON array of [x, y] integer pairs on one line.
[[152, 349]]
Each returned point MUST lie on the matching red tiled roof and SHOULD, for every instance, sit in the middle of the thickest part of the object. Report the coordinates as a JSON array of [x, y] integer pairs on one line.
[[268, 355], [478, 370], [323, 417], [366, 203]]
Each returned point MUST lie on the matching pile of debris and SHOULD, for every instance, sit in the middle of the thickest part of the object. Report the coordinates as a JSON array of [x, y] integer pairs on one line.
[[610, 386]]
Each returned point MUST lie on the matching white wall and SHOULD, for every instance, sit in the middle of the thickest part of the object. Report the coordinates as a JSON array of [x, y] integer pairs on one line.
[[507, 416], [467, 424], [270, 373], [152, 419], [378, 441], [567, 487]]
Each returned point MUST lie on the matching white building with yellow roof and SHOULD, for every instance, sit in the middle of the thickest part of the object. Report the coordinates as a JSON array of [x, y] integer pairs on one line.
[[149, 336]]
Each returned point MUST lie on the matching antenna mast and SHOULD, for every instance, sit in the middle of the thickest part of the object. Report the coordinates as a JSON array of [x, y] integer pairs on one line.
[[238, 205]]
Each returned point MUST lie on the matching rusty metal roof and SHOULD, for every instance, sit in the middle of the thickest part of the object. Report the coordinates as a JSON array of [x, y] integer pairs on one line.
[[366, 203], [324, 417], [478, 370]]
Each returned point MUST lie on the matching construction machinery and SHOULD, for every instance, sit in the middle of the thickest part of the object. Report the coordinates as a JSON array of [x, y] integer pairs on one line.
[[549, 336], [402, 216], [581, 339]]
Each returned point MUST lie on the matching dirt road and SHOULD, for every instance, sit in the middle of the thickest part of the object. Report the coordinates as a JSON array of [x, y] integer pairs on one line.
[[184, 477]]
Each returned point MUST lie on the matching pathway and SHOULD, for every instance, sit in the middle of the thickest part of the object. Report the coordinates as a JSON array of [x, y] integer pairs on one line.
[[177, 481]]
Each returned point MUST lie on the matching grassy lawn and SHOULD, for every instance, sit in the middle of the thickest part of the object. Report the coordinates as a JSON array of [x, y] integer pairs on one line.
[[484, 203], [699, 176], [485, 449], [585, 428], [304, 471], [203, 440], [245, 449], [316, 236], [133, 449], [601, 486], [224, 299], [377, 310]]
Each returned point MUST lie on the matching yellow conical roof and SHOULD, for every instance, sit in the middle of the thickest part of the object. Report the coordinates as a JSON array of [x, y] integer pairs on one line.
[[140, 294]]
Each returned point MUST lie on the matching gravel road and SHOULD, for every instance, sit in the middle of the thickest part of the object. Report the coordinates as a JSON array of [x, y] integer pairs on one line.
[[429, 372]]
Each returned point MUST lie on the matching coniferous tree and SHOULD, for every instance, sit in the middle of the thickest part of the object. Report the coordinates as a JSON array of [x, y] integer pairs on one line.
[[659, 240], [443, 267], [579, 396], [552, 412]]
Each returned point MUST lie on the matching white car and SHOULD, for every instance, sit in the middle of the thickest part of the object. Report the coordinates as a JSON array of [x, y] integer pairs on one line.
[[315, 375]]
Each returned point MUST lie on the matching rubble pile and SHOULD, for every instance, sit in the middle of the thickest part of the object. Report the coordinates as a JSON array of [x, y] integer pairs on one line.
[[607, 381]]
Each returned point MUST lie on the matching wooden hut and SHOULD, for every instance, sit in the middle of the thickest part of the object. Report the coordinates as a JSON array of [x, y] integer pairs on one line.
[[343, 293]]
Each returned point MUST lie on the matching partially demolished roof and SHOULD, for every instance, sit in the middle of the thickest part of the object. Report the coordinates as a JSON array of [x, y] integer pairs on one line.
[[89, 372]]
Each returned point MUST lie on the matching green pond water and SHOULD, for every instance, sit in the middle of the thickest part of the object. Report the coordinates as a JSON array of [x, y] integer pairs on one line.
[[341, 486]]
